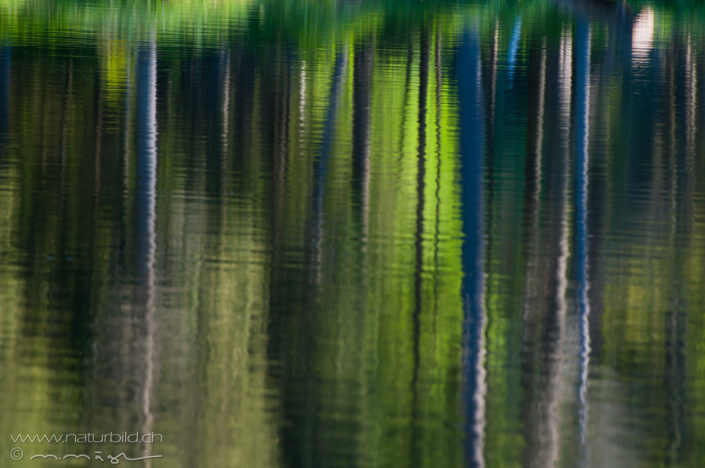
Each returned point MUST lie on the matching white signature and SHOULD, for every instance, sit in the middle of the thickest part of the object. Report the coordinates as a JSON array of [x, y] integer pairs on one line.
[[97, 455]]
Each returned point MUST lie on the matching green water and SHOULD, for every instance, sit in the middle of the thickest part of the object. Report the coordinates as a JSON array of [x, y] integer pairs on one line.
[[372, 233]]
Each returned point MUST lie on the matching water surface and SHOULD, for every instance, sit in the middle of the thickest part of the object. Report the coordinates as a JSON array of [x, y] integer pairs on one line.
[[294, 233]]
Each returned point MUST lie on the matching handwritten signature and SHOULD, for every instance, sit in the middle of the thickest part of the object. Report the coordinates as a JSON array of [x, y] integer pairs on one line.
[[97, 455]]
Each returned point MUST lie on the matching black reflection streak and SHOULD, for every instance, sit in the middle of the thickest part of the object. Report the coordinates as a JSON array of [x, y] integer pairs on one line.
[[425, 44], [5, 66]]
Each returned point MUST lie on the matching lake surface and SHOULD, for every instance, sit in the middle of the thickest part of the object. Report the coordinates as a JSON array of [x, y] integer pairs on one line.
[[371, 233]]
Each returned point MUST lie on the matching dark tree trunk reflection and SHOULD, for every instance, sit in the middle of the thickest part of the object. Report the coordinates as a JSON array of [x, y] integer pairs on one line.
[[5, 66]]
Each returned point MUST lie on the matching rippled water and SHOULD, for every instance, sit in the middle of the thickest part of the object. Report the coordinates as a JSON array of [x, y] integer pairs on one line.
[[298, 233]]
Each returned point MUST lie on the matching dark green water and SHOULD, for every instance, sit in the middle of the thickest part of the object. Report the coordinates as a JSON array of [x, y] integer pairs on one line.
[[320, 234]]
